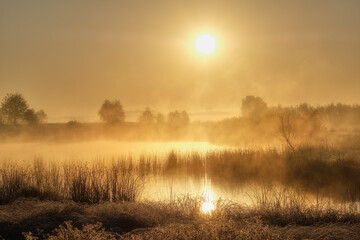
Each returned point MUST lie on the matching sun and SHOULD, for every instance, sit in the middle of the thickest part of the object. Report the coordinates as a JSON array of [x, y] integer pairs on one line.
[[205, 43]]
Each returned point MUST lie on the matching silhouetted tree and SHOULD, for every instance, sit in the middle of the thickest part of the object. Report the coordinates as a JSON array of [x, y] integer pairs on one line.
[[253, 107], [41, 116], [32, 117], [147, 117], [13, 107], [160, 119], [2, 121], [178, 119], [73, 124], [287, 128], [111, 112]]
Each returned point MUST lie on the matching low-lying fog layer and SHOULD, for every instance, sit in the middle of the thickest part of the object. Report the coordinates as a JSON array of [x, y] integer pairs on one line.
[[89, 151], [109, 171]]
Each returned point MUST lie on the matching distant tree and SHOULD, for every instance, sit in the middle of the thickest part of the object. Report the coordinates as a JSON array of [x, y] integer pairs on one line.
[[147, 117], [73, 124], [30, 116], [305, 108], [253, 107], [13, 107], [287, 128], [1, 120], [178, 119], [160, 119], [41, 116], [111, 112], [33, 117]]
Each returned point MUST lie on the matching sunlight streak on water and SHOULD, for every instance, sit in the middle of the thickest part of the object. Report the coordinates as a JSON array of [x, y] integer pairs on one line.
[[208, 202]]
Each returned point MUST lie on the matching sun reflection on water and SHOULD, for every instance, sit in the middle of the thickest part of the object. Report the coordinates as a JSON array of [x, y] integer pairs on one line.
[[208, 202]]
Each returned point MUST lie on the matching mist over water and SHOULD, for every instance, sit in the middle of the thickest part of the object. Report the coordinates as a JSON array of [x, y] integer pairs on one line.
[[172, 170], [97, 150], [266, 154], [106, 152]]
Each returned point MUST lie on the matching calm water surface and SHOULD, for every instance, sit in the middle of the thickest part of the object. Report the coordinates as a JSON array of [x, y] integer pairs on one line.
[[98, 149], [156, 187]]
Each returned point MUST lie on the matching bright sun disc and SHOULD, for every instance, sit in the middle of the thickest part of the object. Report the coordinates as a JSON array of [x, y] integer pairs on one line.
[[205, 44]]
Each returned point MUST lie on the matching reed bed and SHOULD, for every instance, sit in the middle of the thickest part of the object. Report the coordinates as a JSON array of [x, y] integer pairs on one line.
[[80, 182], [317, 171]]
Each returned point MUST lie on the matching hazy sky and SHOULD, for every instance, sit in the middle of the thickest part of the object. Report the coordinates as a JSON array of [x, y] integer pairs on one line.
[[66, 57]]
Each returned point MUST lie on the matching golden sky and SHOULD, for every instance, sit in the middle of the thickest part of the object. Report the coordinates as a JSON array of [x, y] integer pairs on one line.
[[66, 57]]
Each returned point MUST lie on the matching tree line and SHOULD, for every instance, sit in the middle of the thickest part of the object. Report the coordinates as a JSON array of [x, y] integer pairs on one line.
[[259, 123], [112, 112], [332, 115], [16, 110]]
